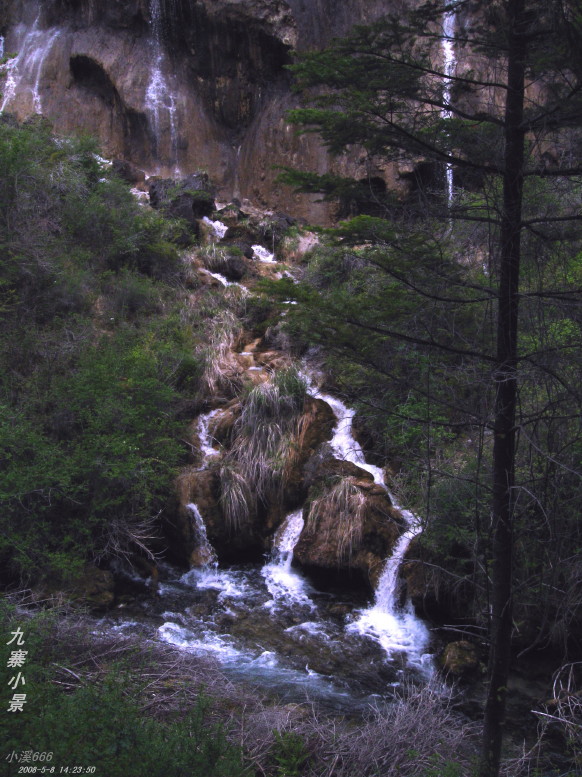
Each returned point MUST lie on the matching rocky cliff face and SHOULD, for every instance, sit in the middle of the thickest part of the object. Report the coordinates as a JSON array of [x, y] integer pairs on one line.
[[177, 85]]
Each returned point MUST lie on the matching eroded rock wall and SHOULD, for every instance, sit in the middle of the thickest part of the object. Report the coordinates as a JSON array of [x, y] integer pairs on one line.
[[179, 85]]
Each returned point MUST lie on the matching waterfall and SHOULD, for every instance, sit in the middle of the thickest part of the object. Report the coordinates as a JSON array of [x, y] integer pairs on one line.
[[262, 254], [218, 228], [450, 63], [159, 99], [396, 630], [282, 582], [25, 71], [206, 553], [1, 46], [206, 440]]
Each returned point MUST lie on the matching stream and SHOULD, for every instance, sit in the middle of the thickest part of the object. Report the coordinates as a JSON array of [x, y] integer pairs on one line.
[[270, 625]]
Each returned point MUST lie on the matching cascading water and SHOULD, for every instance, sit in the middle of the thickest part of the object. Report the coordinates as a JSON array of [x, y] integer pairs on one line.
[[24, 73], [396, 630], [269, 625], [206, 553], [450, 63], [160, 100], [283, 583], [263, 255]]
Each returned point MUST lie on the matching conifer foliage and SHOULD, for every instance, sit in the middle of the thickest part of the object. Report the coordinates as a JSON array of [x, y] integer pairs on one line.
[[503, 124]]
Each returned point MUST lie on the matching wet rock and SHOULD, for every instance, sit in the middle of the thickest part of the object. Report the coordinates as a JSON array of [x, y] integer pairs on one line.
[[460, 659], [222, 63], [192, 487], [274, 360], [315, 427], [347, 529], [95, 587], [128, 172], [189, 198], [222, 424]]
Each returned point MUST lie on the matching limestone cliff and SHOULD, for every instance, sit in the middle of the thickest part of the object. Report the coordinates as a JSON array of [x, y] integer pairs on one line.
[[177, 85]]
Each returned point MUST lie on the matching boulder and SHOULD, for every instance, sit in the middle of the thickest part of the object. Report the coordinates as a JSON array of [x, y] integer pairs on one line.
[[202, 488], [348, 529], [190, 198], [314, 428], [460, 659], [95, 587], [128, 172]]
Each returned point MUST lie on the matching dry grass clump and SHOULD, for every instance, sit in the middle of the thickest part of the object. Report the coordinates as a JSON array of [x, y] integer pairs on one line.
[[338, 517], [417, 736], [213, 257], [562, 717], [220, 366], [236, 497], [254, 469]]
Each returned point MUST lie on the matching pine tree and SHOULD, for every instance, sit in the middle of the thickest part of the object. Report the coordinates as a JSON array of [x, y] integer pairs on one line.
[[505, 122]]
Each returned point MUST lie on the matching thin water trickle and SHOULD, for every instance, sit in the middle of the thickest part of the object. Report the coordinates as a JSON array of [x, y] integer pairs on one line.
[[160, 101], [25, 72], [450, 63], [207, 442], [206, 553]]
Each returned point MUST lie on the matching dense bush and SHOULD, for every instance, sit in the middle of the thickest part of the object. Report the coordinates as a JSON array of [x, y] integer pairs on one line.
[[92, 359]]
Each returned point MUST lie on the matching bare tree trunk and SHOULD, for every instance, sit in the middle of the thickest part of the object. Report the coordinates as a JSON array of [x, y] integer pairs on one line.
[[506, 397]]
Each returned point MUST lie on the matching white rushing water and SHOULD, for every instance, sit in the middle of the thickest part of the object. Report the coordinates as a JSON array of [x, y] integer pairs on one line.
[[206, 552], [284, 584], [160, 101], [24, 73], [219, 229], [263, 255], [396, 630], [450, 63], [207, 442]]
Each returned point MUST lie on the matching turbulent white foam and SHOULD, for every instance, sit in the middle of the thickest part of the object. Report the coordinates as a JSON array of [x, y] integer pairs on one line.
[[267, 659], [396, 632], [283, 583], [263, 255], [218, 227], [231, 585], [307, 628], [207, 642]]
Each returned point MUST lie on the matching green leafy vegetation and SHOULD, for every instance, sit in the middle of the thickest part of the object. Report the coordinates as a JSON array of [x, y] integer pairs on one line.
[[98, 712], [453, 304], [94, 360]]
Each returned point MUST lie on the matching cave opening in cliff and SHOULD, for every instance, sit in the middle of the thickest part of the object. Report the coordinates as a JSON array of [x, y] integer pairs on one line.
[[89, 75]]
